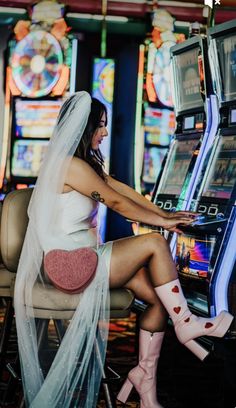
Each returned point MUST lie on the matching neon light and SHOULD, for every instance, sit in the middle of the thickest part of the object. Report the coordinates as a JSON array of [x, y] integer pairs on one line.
[[138, 141], [36, 63], [99, 17], [73, 65], [103, 89], [62, 82], [5, 128]]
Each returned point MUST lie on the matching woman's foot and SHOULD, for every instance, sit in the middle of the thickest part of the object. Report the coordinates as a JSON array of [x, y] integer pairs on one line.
[[143, 376]]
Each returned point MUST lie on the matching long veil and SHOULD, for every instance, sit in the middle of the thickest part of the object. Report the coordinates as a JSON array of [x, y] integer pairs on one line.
[[74, 376]]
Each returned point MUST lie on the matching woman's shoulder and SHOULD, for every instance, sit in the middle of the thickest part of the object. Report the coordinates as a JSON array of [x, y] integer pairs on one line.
[[77, 162]]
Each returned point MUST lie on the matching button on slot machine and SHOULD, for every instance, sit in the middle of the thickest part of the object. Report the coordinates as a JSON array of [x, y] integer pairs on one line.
[[206, 253]]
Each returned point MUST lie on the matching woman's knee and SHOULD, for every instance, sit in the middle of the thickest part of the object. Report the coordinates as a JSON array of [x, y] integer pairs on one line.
[[142, 287], [157, 242]]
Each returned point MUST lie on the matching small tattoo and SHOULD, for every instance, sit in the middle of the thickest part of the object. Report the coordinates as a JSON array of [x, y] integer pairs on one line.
[[96, 196]]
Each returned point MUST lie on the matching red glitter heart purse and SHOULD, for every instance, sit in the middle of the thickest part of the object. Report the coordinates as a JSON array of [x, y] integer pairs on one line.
[[71, 271]]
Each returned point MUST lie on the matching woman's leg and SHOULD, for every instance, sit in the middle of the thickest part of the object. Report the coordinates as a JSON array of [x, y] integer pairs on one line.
[[130, 254], [154, 318], [152, 322]]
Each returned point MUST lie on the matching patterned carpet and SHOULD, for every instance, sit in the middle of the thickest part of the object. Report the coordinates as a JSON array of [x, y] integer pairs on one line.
[[183, 381]]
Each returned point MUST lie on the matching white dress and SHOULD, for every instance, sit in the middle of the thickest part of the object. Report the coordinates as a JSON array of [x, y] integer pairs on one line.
[[77, 217], [63, 221]]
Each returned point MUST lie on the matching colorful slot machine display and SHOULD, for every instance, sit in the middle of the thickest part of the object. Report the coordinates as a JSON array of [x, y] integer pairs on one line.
[[192, 90], [155, 119], [206, 256], [41, 58], [32, 128], [158, 128], [103, 90]]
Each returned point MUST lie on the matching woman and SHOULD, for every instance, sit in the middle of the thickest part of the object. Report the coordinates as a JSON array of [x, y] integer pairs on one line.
[[63, 214]]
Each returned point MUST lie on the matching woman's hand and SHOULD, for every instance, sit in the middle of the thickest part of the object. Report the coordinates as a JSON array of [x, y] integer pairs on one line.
[[190, 214], [173, 223]]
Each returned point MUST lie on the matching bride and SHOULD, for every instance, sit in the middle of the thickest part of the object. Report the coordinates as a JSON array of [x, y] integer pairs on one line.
[[63, 214]]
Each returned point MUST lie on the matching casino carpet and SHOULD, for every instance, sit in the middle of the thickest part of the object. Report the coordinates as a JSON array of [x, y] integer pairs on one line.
[[183, 381]]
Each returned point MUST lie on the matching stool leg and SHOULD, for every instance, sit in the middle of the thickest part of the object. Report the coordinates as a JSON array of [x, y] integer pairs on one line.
[[42, 328], [60, 329], [109, 397], [5, 332]]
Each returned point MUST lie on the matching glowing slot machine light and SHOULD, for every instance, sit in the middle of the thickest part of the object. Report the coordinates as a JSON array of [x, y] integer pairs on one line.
[[103, 90]]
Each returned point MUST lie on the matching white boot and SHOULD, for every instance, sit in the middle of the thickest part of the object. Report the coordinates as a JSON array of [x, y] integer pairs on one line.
[[143, 376], [187, 325]]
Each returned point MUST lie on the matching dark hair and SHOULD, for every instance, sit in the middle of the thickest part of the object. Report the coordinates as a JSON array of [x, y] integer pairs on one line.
[[84, 150]]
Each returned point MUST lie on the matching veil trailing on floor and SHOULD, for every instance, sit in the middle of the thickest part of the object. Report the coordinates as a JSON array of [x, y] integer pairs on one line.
[[74, 376]]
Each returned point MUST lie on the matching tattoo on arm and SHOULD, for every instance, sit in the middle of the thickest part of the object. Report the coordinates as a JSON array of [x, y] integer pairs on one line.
[[96, 196]]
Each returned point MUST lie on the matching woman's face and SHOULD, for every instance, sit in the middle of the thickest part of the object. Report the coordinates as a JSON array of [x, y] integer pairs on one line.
[[100, 133]]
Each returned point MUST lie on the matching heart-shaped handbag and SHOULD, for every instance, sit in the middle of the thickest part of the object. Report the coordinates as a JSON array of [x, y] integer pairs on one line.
[[71, 271]]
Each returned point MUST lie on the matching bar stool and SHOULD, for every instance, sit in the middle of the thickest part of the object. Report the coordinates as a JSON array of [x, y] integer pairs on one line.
[[7, 277], [48, 302]]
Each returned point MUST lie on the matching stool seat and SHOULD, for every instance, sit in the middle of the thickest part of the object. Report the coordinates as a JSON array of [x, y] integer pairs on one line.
[[49, 302]]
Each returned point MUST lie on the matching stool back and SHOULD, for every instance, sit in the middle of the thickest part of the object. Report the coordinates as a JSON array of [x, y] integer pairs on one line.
[[14, 223]]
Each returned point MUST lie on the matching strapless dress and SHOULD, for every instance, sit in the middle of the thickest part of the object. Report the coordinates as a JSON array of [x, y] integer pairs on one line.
[[77, 216]]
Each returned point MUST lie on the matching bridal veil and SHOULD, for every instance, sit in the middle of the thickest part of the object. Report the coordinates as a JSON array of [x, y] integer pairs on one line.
[[74, 377]]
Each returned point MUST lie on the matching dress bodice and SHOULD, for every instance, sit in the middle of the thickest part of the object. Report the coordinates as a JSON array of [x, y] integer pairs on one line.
[[76, 212], [75, 223]]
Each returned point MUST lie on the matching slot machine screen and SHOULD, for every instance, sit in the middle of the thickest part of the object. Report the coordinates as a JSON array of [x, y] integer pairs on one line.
[[187, 80], [159, 126], [193, 255], [233, 116], [178, 166], [189, 123], [27, 157], [226, 48], [153, 158], [35, 119], [221, 178]]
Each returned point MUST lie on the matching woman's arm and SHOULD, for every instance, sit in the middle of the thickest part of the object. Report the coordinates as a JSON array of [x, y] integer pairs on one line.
[[139, 199], [142, 201], [84, 179]]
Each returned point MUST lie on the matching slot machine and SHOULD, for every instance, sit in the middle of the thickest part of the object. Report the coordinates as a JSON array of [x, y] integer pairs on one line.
[[205, 256], [155, 118], [192, 90], [39, 75]]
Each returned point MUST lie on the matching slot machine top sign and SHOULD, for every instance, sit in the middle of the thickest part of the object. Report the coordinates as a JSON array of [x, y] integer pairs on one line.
[[36, 63]]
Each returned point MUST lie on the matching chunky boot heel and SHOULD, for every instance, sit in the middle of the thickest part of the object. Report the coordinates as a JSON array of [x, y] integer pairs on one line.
[[197, 349], [125, 391]]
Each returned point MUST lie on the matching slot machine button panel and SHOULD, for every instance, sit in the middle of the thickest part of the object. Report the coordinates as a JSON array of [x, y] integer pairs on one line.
[[202, 209], [168, 205], [212, 211], [160, 204]]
